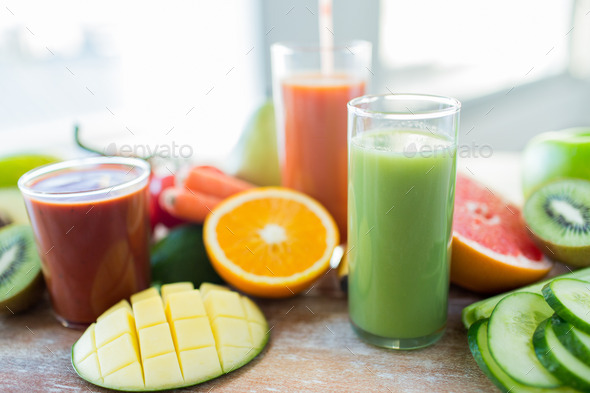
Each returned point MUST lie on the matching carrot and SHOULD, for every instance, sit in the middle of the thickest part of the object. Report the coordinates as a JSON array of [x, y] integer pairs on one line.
[[187, 204], [211, 181]]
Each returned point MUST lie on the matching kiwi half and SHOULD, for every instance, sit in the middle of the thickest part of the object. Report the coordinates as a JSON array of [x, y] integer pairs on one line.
[[558, 216], [21, 283]]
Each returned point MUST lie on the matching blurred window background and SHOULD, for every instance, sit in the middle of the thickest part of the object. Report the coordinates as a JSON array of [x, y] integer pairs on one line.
[[192, 72]]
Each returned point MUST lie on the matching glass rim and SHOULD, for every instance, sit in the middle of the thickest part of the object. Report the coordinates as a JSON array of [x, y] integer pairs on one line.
[[291, 47], [453, 106], [133, 162]]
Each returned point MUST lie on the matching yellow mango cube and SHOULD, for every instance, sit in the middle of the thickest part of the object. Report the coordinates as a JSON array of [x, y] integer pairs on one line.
[[182, 305], [231, 332], [253, 313], [258, 334], [117, 354], [192, 333], [162, 372], [234, 357], [122, 304], [113, 326], [199, 365], [90, 368], [207, 287], [155, 340], [85, 346], [148, 312], [169, 289], [224, 304], [129, 377], [145, 294]]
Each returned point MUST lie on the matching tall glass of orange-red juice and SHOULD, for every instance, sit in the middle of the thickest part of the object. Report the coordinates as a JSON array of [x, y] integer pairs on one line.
[[311, 87]]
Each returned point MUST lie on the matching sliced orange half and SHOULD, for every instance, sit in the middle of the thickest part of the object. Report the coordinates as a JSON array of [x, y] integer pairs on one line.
[[270, 241]]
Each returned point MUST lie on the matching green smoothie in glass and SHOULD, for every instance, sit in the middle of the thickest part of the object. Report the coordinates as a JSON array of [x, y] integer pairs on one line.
[[401, 195], [401, 177]]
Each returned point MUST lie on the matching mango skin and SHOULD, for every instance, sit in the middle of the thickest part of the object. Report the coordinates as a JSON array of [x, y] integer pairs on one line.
[[556, 155]]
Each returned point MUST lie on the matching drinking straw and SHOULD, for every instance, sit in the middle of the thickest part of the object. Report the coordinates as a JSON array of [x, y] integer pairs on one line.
[[326, 26]]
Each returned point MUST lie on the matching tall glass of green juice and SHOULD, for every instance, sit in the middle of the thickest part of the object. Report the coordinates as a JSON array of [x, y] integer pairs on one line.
[[402, 167]]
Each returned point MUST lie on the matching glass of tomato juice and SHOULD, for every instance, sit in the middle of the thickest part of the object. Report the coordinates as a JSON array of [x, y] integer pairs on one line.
[[90, 218], [310, 99]]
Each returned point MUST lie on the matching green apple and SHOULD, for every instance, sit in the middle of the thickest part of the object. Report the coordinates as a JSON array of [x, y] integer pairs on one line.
[[556, 155], [255, 158], [13, 167]]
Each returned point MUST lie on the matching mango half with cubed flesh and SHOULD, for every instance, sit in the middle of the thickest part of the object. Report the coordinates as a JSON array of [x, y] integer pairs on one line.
[[184, 337]]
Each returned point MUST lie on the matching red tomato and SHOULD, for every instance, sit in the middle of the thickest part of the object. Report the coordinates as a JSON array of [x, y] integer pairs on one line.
[[157, 214]]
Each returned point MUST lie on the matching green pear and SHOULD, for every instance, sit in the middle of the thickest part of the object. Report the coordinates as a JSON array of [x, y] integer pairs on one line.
[[556, 155], [255, 157]]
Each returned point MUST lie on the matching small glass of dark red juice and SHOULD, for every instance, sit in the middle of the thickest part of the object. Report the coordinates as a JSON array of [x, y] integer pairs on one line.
[[91, 224]]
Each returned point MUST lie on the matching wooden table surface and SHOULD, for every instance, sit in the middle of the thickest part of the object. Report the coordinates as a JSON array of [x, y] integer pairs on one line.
[[312, 346]]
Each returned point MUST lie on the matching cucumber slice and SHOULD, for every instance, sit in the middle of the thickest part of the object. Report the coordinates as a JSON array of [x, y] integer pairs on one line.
[[570, 298], [483, 308], [558, 360], [510, 338], [575, 340], [478, 344]]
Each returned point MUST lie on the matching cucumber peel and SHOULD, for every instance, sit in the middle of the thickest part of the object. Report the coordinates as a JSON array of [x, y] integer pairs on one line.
[[558, 360], [477, 337]]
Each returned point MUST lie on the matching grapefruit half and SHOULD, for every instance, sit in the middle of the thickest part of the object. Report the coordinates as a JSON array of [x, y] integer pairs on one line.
[[491, 250]]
